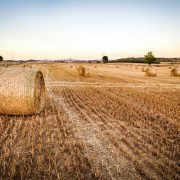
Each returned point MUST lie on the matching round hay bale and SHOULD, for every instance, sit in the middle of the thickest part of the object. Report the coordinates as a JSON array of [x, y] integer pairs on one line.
[[81, 70], [143, 69], [22, 92], [150, 72], [29, 65], [175, 72], [45, 72]]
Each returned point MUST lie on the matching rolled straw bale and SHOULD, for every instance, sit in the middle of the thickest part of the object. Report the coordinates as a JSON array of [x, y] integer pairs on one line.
[[175, 72], [44, 70], [150, 72], [81, 70], [143, 69], [22, 92], [29, 65]]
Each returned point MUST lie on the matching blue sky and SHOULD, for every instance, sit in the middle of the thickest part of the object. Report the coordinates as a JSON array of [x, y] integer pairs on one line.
[[85, 29]]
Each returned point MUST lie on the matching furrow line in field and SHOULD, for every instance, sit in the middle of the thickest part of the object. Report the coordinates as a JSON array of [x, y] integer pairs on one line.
[[153, 102], [97, 136], [129, 133], [7, 133], [73, 146], [147, 125], [134, 155]]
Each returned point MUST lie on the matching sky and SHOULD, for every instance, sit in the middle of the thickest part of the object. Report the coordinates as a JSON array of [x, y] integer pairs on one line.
[[88, 29]]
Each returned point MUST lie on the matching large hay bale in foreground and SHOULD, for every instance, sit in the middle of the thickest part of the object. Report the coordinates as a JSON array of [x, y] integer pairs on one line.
[[150, 72], [175, 72], [22, 92], [81, 70]]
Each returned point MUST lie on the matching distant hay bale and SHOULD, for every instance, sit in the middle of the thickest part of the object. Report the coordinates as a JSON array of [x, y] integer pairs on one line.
[[22, 92], [81, 70], [44, 70], [175, 72], [29, 65], [71, 66], [150, 72], [143, 69]]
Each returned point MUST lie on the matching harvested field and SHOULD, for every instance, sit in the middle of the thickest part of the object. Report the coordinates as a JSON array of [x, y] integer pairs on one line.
[[114, 124]]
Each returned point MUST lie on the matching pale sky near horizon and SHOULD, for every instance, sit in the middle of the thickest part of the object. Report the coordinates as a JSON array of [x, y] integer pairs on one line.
[[84, 29]]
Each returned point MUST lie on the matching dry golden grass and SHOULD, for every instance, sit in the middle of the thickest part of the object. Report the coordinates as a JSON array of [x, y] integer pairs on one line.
[[112, 125]]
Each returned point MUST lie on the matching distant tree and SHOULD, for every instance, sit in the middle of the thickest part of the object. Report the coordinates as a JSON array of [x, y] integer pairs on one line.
[[149, 58], [105, 59], [1, 58]]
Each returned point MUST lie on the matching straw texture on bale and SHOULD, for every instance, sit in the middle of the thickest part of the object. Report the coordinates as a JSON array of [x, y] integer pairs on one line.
[[22, 92], [175, 72], [150, 72], [81, 70]]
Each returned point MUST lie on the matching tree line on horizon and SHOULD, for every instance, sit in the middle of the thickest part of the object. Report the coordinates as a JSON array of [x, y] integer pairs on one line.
[[148, 58]]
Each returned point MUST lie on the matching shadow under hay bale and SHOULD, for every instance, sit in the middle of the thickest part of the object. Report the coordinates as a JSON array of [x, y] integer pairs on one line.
[[175, 72], [22, 92], [150, 72]]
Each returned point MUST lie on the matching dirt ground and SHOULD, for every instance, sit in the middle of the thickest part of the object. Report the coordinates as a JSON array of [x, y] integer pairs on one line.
[[114, 123]]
